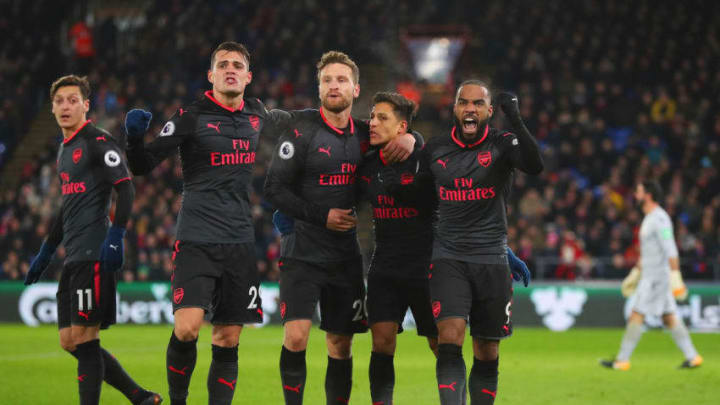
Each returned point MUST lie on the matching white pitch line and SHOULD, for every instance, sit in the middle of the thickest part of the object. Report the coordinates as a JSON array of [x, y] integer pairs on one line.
[[55, 354]]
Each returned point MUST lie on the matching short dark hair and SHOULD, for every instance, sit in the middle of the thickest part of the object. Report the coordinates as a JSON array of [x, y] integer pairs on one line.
[[476, 82], [402, 106], [654, 189], [71, 80], [338, 57], [230, 46]]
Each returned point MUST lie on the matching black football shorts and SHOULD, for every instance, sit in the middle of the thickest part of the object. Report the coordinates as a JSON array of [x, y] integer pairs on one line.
[[86, 296], [481, 293], [338, 287], [220, 278], [388, 299]]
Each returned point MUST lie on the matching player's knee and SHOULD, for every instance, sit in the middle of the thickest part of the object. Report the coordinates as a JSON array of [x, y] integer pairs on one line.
[[339, 347], [186, 332], [295, 340], [486, 350], [67, 344], [451, 335], [384, 343], [226, 336]]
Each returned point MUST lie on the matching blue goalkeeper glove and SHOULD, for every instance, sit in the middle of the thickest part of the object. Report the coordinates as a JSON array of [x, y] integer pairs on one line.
[[518, 268], [283, 223], [112, 249], [137, 123], [39, 263]]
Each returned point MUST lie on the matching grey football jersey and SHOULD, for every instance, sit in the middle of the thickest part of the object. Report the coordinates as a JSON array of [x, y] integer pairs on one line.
[[657, 244]]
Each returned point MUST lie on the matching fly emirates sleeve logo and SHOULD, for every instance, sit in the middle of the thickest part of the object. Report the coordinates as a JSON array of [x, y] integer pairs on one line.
[[241, 155], [345, 177], [465, 190]]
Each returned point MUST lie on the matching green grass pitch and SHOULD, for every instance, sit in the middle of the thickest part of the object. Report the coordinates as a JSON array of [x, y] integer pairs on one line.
[[537, 367]]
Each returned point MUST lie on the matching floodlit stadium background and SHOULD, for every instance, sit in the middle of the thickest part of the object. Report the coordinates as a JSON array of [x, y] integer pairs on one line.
[[614, 91]]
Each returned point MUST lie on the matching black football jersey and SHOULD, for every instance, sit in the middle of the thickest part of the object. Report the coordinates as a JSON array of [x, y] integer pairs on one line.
[[403, 213], [314, 168], [472, 183], [90, 163]]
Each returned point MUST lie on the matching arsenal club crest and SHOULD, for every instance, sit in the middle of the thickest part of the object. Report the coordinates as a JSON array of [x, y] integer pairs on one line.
[[406, 178], [436, 306], [178, 295], [77, 155], [254, 121], [484, 158]]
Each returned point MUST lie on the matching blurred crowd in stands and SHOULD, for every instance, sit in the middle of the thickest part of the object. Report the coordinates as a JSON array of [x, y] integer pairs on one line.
[[615, 92]]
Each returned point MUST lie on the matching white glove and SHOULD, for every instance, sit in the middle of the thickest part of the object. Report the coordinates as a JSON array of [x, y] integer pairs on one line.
[[629, 284], [677, 286]]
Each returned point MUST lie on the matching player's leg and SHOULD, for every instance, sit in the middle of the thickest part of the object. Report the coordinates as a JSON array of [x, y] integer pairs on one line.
[[681, 336], [490, 322], [299, 293], [633, 332], [420, 303], [293, 370], [223, 372], [338, 378], [649, 300], [237, 303], [92, 303], [382, 369], [115, 375], [484, 372], [182, 352], [342, 313], [193, 286], [386, 309], [451, 302], [91, 367]]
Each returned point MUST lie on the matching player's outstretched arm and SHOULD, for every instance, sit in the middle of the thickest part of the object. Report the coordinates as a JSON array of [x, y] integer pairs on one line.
[[280, 183], [47, 250], [527, 158], [142, 159], [277, 123]]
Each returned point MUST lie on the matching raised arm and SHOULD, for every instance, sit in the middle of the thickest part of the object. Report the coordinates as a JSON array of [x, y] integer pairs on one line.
[[525, 152], [142, 158]]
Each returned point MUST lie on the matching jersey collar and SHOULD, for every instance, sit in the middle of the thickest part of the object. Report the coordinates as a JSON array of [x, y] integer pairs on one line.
[[472, 145], [331, 126], [77, 131], [209, 95]]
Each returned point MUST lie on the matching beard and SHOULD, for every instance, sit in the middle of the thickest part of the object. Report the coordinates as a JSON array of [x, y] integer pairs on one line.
[[336, 106], [480, 128], [231, 93]]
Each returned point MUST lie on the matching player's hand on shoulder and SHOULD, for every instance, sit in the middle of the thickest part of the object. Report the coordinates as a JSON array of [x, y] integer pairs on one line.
[[341, 220], [399, 149], [137, 122]]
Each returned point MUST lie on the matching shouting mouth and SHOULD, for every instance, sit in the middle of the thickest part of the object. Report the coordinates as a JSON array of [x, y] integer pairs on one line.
[[469, 125]]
